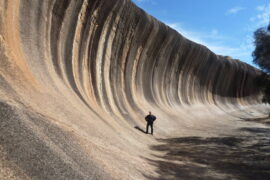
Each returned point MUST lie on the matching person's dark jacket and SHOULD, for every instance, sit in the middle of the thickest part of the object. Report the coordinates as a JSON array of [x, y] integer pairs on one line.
[[150, 119]]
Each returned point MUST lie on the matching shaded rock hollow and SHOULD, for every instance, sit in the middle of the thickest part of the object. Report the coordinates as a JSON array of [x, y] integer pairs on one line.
[[78, 75]]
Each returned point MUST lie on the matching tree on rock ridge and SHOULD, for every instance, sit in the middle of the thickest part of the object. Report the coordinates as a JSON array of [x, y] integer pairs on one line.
[[261, 57]]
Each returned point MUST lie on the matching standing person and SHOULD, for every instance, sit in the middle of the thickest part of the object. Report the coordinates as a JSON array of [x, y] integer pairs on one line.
[[150, 121]]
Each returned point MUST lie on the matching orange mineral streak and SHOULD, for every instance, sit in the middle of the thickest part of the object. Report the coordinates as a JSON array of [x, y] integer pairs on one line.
[[12, 42]]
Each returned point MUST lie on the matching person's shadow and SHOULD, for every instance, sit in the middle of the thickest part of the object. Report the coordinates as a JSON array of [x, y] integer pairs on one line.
[[140, 129]]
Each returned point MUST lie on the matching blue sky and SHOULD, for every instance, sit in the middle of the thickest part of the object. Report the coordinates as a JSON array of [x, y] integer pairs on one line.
[[225, 26]]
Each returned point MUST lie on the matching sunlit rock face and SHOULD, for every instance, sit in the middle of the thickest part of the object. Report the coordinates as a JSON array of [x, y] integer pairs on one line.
[[77, 76]]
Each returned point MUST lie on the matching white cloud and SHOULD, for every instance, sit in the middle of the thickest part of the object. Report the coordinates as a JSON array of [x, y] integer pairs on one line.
[[260, 8], [188, 34], [263, 16], [214, 41], [196, 36], [214, 32], [234, 10]]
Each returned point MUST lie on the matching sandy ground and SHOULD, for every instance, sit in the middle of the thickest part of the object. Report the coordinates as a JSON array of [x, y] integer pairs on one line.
[[32, 147], [243, 155]]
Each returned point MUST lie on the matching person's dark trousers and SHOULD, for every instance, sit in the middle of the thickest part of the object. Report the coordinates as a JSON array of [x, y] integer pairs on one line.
[[147, 126]]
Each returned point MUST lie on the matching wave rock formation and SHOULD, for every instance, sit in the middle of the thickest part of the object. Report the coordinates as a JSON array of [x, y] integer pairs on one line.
[[78, 75]]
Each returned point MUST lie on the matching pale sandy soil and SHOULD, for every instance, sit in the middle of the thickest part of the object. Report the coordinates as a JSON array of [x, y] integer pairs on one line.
[[229, 148]]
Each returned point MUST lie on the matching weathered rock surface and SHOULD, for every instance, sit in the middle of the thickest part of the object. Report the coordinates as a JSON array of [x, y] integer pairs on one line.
[[76, 76]]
